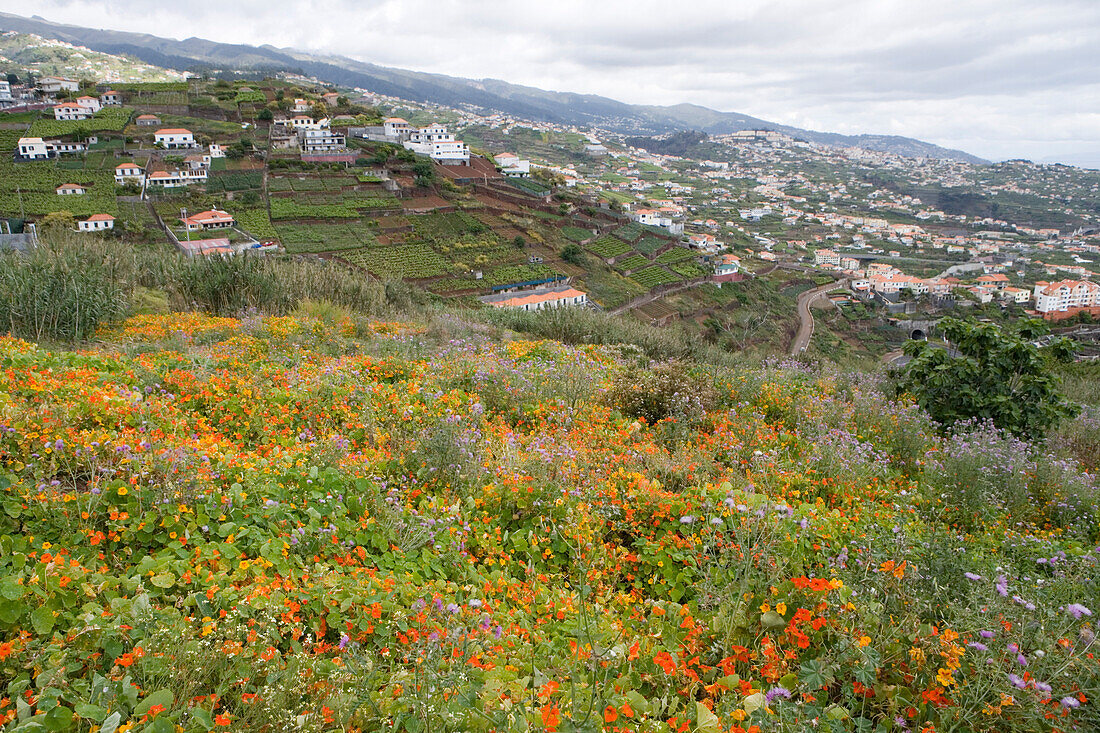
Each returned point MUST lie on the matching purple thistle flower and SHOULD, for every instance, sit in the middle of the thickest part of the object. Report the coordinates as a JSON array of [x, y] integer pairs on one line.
[[1077, 610], [1017, 681], [978, 645], [972, 576], [1002, 586], [344, 639], [1070, 702], [1021, 660], [986, 634], [777, 692]]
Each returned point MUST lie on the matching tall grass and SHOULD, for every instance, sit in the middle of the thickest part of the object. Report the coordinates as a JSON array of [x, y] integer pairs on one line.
[[71, 284], [63, 289]]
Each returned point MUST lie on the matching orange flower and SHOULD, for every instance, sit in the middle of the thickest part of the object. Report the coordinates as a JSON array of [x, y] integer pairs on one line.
[[610, 715], [223, 719], [665, 661], [551, 718]]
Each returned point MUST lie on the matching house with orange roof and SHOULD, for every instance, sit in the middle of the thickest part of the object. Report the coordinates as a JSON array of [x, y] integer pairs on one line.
[[1067, 298], [112, 98], [173, 138], [92, 104], [70, 189], [396, 127], [212, 219], [71, 111], [997, 281], [129, 171], [147, 121], [539, 299]]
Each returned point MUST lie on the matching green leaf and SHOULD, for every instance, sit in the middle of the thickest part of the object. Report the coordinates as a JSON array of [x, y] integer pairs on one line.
[[59, 718], [110, 725], [42, 620], [705, 719], [163, 580], [160, 697], [90, 712]]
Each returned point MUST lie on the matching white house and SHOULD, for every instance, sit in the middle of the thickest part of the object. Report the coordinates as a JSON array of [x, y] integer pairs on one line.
[[174, 137], [655, 218], [89, 103], [147, 121], [1066, 295], [55, 84], [512, 166], [70, 189], [70, 111], [129, 171], [175, 179], [216, 150], [5, 91], [212, 219], [826, 257], [321, 140], [533, 300], [726, 268], [33, 148], [302, 105], [438, 144], [112, 98], [396, 127], [96, 223]]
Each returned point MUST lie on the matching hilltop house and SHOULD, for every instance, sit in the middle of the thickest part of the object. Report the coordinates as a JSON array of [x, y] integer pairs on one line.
[[216, 151], [96, 223], [89, 103], [512, 166], [1067, 298], [175, 179], [997, 281], [330, 98], [55, 84], [129, 171], [320, 140], [396, 127], [727, 269], [438, 144], [33, 148], [212, 219], [655, 218], [112, 98], [302, 105], [70, 189], [826, 257], [173, 138], [147, 121], [71, 111]]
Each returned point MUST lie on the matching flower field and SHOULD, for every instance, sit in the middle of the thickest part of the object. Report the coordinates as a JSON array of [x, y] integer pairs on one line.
[[285, 523]]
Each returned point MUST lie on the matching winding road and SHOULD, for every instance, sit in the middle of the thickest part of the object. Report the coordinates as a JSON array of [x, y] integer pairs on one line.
[[806, 319]]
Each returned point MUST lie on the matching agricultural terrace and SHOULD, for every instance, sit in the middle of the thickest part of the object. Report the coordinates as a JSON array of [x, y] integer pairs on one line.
[[285, 523]]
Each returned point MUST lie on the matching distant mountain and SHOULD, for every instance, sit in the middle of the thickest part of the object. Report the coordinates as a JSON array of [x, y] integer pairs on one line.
[[196, 54]]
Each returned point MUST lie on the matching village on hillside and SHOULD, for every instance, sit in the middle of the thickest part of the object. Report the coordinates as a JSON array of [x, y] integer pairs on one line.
[[484, 207]]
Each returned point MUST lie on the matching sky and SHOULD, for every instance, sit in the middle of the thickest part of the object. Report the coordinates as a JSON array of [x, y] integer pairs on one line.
[[996, 78]]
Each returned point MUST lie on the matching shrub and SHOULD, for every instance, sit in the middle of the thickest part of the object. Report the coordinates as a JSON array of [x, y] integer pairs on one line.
[[666, 390], [228, 285]]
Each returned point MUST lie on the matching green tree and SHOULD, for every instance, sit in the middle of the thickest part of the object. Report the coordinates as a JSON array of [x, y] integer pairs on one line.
[[572, 253], [265, 115], [990, 374]]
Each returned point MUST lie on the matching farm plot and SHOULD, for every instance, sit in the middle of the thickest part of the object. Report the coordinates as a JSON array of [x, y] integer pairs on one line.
[[608, 247], [412, 261], [653, 276]]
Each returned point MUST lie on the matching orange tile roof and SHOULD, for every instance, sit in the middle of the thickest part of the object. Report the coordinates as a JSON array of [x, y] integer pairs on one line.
[[173, 131], [534, 298], [100, 217]]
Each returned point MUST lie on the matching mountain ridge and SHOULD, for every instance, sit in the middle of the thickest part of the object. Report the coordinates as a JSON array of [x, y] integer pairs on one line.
[[195, 53]]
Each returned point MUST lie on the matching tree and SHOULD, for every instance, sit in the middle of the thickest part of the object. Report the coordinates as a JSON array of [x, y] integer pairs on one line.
[[572, 253], [58, 220], [988, 373], [519, 242], [265, 115]]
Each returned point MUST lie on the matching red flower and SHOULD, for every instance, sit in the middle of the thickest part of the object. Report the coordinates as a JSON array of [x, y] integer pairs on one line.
[[665, 661]]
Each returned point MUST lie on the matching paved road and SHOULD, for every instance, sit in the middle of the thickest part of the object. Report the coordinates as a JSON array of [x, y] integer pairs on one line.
[[806, 319]]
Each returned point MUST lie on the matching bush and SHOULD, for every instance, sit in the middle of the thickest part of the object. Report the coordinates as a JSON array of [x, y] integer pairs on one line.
[[228, 285], [666, 390]]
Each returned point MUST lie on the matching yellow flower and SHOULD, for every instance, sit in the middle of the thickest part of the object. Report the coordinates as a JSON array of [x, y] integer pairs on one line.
[[764, 608], [945, 677], [864, 640], [781, 609]]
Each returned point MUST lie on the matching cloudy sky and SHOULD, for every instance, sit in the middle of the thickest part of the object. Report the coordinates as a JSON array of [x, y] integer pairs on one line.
[[997, 78]]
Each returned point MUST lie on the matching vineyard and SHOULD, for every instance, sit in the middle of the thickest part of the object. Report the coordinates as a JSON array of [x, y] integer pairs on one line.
[[108, 119], [412, 261], [648, 245], [312, 238], [239, 181], [631, 262], [674, 255], [608, 247], [30, 188], [576, 234], [519, 274], [654, 276]]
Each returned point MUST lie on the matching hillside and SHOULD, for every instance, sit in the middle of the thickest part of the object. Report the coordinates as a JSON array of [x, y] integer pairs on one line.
[[485, 94], [24, 52], [417, 521]]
